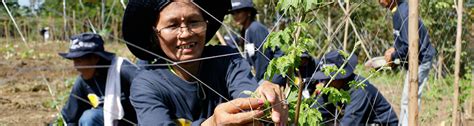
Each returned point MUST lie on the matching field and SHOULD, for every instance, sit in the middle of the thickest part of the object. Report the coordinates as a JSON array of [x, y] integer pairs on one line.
[[35, 81]]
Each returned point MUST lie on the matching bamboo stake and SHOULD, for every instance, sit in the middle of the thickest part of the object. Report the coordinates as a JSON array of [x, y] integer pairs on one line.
[[457, 63], [221, 39], [413, 39]]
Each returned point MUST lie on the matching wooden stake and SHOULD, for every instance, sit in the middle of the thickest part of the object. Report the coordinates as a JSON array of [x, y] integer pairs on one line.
[[221, 39], [457, 63], [413, 39]]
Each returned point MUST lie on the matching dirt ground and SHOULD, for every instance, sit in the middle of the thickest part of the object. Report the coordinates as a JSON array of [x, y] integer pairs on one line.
[[33, 77], [29, 73]]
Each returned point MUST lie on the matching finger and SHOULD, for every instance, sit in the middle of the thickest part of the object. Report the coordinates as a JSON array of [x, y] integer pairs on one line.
[[237, 105], [245, 117], [277, 106]]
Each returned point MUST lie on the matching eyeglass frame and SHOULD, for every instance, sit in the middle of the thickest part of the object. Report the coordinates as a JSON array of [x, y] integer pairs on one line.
[[158, 31]]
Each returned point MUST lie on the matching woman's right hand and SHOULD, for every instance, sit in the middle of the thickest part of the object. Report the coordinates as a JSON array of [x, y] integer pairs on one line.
[[241, 111]]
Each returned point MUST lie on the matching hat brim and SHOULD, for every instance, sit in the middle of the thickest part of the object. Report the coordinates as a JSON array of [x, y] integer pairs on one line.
[[138, 21], [349, 70], [73, 55]]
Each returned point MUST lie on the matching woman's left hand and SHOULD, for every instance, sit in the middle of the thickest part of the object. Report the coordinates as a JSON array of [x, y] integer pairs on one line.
[[275, 96]]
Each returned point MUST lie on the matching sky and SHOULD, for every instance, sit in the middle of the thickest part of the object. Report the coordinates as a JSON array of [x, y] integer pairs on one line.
[[27, 3]]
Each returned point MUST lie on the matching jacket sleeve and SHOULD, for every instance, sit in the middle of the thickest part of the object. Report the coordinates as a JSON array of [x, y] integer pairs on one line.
[[401, 43], [75, 105], [239, 78], [148, 103], [354, 112]]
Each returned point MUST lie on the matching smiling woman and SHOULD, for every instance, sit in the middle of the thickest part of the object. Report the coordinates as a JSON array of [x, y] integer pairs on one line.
[[181, 30], [206, 92]]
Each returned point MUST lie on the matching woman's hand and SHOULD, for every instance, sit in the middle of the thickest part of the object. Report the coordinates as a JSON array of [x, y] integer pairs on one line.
[[241, 111], [275, 96]]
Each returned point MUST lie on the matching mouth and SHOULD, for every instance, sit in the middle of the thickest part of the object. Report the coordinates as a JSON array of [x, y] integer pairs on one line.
[[186, 46]]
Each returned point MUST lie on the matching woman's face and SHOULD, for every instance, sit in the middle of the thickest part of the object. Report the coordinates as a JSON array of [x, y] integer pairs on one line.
[[181, 30]]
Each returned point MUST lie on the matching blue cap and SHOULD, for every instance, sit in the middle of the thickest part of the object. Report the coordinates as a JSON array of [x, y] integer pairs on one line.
[[334, 58], [241, 4], [86, 43]]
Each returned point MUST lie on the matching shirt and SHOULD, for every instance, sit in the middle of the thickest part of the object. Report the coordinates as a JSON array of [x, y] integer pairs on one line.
[[92, 91], [162, 98], [400, 25], [256, 34]]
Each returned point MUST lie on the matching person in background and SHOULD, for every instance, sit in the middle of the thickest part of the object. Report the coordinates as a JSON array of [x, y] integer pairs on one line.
[[45, 34], [186, 90], [100, 94], [254, 33], [367, 105], [399, 51]]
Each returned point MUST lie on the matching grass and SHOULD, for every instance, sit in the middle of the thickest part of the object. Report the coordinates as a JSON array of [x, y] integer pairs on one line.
[[436, 98]]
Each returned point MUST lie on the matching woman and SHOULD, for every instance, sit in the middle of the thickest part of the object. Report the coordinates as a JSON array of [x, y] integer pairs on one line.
[[190, 93]]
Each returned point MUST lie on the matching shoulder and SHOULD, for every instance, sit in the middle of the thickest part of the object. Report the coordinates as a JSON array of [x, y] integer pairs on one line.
[[402, 11], [368, 89], [225, 51], [257, 26]]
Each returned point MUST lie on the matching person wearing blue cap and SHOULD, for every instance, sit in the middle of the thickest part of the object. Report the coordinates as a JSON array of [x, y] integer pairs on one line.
[[254, 33], [399, 51], [99, 95], [186, 87], [367, 106]]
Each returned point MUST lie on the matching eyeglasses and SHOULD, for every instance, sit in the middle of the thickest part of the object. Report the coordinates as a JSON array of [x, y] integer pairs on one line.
[[195, 27]]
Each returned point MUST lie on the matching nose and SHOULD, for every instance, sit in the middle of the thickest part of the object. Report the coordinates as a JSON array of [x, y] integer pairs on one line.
[[185, 32]]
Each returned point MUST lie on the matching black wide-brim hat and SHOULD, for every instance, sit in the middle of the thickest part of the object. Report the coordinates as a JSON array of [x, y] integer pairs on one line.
[[141, 15], [335, 58]]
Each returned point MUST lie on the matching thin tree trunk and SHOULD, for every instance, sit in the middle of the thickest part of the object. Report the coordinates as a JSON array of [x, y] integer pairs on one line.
[[457, 63], [102, 15], [346, 29], [74, 30], [329, 26], [439, 74], [413, 39], [65, 20], [7, 33]]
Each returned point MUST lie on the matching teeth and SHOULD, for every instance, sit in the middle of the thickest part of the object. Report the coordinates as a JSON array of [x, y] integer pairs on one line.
[[187, 46]]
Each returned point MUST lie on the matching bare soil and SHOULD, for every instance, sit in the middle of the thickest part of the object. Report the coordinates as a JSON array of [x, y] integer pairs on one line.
[[33, 77]]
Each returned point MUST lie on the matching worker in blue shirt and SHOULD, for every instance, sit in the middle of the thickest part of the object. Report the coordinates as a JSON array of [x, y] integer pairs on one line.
[[254, 33], [182, 88], [399, 52], [96, 86], [367, 105]]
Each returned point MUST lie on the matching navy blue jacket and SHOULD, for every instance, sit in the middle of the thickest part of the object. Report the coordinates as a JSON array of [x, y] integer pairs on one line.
[[400, 25], [256, 34], [162, 98], [74, 107], [367, 106]]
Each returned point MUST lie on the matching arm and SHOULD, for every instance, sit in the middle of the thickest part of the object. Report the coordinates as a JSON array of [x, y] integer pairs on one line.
[[239, 78], [401, 38], [148, 104], [228, 114], [74, 106]]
